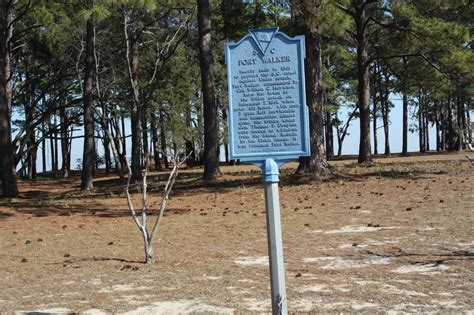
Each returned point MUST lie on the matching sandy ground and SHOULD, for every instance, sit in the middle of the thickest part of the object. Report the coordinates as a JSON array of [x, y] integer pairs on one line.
[[395, 237]]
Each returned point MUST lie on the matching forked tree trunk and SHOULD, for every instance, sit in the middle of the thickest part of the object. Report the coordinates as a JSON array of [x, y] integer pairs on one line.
[[211, 139]]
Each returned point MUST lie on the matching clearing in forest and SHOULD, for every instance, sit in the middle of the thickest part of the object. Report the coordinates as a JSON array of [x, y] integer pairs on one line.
[[393, 237]]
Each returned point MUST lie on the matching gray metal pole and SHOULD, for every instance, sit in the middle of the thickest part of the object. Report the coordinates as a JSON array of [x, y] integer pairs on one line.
[[275, 243]]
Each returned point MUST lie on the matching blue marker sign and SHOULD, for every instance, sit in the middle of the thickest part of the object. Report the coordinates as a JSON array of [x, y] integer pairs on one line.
[[268, 116], [268, 123]]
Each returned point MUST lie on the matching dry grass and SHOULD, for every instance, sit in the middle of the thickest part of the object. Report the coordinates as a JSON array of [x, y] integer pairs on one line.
[[395, 236]]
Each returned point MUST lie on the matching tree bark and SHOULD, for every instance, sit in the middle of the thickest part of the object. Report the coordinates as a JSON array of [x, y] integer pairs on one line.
[[144, 122], [7, 154], [56, 145], [163, 139], [124, 137], [438, 129], [329, 136], [316, 163], [132, 34], [29, 116], [451, 132], [405, 124], [460, 126], [43, 147], [189, 143], [89, 146], [421, 124], [468, 124], [211, 140], [363, 89], [442, 121], [156, 142], [427, 125], [64, 142], [376, 98], [385, 105], [51, 144]]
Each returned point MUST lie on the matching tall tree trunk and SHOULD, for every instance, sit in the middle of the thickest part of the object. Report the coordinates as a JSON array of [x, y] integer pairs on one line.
[[124, 135], [29, 116], [363, 88], [451, 132], [7, 150], [421, 124], [56, 145], [163, 139], [460, 126], [376, 98], [211, 140], [107, 157], [385, 105], [144, 122], [316, 163], [464, 125], [51, 145], [133, 50], [469, 124], [405, 123], [443, 128], [115, 144], [374, 124], [438, 127], [226, 141], [329, 136], [156, 142], [43, 147], [427, 126], [64, 142], [190, 150], [89, 146]]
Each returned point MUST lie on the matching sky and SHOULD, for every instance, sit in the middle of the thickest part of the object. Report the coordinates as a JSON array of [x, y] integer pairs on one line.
[[350, 145]]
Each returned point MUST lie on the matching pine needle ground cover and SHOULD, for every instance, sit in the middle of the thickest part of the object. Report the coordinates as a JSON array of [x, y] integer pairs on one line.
[[396, 236]]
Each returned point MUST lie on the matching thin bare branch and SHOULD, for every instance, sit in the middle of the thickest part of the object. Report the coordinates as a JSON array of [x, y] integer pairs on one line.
[[129, 199], [169, 185]]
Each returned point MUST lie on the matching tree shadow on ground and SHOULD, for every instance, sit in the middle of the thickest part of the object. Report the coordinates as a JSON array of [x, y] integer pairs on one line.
[[426, 258], [67, 200], [5, 215], [94, 259]]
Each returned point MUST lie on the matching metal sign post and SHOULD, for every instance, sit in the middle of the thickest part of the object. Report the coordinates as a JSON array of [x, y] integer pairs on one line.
[[275, 243], [268, 123]]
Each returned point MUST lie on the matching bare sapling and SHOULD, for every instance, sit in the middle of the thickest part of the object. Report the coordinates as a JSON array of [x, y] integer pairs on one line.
[[143, 224]]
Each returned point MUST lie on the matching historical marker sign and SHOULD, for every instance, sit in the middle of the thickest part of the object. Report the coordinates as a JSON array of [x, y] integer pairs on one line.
[[268, 116], [268, 123]]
